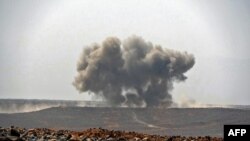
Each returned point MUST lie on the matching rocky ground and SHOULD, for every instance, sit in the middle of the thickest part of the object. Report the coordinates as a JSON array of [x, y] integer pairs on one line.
[[94, 134], [160, 121]]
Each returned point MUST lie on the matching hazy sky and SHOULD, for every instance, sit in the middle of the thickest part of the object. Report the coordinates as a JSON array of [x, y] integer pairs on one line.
[[40, 42]]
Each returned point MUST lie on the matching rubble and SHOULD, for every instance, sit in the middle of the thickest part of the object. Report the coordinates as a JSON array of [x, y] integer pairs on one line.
[[92, 134]]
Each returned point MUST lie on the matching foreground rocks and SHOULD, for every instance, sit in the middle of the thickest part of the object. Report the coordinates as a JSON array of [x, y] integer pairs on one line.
[[44, 134]]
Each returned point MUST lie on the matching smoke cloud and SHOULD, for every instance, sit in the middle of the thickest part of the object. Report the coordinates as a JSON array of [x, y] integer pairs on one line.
[[133, 72]]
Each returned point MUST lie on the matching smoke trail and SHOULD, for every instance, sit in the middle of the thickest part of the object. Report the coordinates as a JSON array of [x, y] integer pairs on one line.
[[31, 105], [133, 72]]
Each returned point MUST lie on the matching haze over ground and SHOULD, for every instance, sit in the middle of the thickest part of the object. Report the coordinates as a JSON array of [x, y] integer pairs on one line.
[[41, 41]]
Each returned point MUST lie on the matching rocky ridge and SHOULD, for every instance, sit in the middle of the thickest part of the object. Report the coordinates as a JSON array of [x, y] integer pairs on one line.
[[92, 134]]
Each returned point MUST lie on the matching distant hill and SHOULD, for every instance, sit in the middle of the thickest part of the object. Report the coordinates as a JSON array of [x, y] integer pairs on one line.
[[30, 105], [172, 121]]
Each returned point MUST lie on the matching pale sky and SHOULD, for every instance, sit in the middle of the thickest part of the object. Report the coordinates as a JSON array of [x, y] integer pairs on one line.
[[40, 42]]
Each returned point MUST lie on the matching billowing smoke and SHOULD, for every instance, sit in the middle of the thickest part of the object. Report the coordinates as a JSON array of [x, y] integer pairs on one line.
[[133, 72]]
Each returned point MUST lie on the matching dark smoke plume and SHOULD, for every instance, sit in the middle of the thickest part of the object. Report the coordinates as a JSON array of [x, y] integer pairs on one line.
[[132, 73]]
